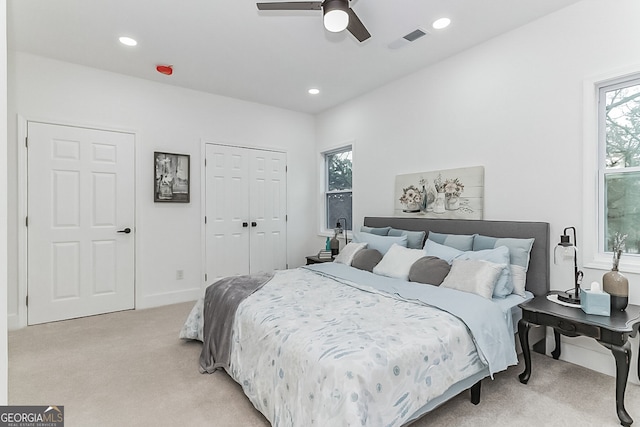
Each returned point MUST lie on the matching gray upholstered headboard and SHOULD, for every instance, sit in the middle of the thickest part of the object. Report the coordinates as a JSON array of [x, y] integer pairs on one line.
[[538, 274]]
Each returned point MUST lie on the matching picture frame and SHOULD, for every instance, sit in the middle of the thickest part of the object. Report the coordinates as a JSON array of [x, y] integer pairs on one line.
[[445, 194], [171, 181]]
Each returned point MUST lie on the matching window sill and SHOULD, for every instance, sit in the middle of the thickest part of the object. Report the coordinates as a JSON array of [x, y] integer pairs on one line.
[[629, 265]]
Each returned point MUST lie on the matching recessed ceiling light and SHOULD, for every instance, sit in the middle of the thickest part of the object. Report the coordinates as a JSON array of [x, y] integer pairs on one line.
[[128, 41], [314, 91], [441, 23]]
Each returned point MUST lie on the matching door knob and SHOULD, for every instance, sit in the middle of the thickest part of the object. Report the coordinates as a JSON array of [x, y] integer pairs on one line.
[[245, 224], [253, 223], [125, 231]]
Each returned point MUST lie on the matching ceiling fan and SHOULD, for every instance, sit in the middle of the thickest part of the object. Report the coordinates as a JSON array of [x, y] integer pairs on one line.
[[338, 16]]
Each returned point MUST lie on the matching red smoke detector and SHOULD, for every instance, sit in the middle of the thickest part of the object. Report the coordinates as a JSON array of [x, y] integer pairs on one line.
[[165, 69]]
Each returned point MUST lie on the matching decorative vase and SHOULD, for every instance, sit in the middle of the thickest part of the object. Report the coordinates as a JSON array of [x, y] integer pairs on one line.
[[334, 244], [423, 206], [617, 286], [165, 191], [413, 207], [438, 205], [452, 203]]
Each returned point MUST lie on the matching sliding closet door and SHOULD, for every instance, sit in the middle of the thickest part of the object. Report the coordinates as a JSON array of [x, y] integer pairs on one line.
[[245, 211]]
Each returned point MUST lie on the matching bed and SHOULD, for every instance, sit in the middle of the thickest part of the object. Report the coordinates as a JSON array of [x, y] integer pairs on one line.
[[332, 344]]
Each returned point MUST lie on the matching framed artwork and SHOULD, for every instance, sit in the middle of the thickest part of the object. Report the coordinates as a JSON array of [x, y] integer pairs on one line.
[[171, 180], [448, 194]]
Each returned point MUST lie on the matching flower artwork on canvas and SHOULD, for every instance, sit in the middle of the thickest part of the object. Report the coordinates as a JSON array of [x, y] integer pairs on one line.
[[453, 193]]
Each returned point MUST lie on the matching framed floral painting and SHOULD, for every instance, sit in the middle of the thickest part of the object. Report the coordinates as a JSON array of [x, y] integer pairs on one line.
[[448, 194], [171, 177]]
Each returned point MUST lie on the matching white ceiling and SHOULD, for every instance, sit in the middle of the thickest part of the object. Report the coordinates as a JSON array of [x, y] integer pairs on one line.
[[229, 48]]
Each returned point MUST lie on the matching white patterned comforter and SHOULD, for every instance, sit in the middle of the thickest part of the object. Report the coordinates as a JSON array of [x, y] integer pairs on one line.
[[313, 350], [369, 360]]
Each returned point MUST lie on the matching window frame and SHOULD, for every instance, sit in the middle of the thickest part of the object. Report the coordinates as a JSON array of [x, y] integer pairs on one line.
[[325, 192], [595, 172]]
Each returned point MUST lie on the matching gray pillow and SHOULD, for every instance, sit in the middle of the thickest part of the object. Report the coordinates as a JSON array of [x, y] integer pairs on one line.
[[366, 259], [431, 270]]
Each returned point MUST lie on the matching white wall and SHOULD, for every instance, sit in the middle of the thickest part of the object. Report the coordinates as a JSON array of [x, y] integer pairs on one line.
[[164, 118], [3, 206], [513, 105]]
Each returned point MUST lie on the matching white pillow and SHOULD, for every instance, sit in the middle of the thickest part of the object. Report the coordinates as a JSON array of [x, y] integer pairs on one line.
[[349, 251], [475, 276], [397, 262]]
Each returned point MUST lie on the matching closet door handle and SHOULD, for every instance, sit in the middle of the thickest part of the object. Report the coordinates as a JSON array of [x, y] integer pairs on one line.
[[245, 224], [125, 231], [254, 224]]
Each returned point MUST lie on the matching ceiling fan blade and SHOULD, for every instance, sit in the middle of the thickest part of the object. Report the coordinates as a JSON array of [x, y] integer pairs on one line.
[[291, 5], [356, 27]]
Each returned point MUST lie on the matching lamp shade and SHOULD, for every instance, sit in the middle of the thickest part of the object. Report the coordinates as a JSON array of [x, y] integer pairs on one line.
[[336, 16]]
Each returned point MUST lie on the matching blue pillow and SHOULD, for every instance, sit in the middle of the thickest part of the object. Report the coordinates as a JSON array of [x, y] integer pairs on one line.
[[379, 243], [459, 241], [519, 255], [414, 238], [446, 253], [380, 231]]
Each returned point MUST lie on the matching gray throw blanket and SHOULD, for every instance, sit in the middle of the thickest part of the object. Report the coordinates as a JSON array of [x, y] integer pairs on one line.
[[221, 301]]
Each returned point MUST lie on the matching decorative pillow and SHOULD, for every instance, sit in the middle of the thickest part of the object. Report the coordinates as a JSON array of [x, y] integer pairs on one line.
[[366, 259], [398, 261], [349, 251], [380, 231], [446, 253], [499, 255], [471, 275], [430, 270], [414, 238], [519, 254], [459, 241], [379, 243]]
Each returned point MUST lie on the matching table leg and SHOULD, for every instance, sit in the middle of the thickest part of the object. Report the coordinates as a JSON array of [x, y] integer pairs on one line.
[[523, 333], [556, 351], [622, 354]]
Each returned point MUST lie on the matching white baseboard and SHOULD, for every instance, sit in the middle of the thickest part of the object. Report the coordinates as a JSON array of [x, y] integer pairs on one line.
[[13, 322], [149, 301]]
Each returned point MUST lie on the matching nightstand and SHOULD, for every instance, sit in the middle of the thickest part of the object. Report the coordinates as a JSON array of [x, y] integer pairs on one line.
[[313, 259], [612, 332]]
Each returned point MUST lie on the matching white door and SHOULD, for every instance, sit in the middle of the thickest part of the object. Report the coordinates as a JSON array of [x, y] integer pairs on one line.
[[80, 222], [227, 211], [245, 191], [268, 200]]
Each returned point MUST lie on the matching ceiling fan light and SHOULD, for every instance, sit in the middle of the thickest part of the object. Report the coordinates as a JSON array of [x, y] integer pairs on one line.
[[336, 17], [336, 20]]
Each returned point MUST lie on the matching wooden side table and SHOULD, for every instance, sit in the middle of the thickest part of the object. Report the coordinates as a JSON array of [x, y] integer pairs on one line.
[[313, 259], [612, 332]]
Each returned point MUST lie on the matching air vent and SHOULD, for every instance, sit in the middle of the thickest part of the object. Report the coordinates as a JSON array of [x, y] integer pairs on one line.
[[414, 35], [409, 38]]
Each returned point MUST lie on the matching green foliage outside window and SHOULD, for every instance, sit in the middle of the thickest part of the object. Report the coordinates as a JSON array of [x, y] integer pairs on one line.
[[339, 183], [622, 161]]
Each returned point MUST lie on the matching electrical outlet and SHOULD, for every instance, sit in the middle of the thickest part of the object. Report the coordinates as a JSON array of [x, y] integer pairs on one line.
[[179, 274]]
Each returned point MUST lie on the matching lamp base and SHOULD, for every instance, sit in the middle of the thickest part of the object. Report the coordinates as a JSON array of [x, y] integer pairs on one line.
[[572, 297]]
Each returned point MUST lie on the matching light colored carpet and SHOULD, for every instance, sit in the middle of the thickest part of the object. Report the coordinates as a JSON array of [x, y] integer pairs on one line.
[[130, 369]]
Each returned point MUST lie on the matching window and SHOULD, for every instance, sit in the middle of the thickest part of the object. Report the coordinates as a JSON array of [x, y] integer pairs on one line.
[[338, 187], [619, 162]]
